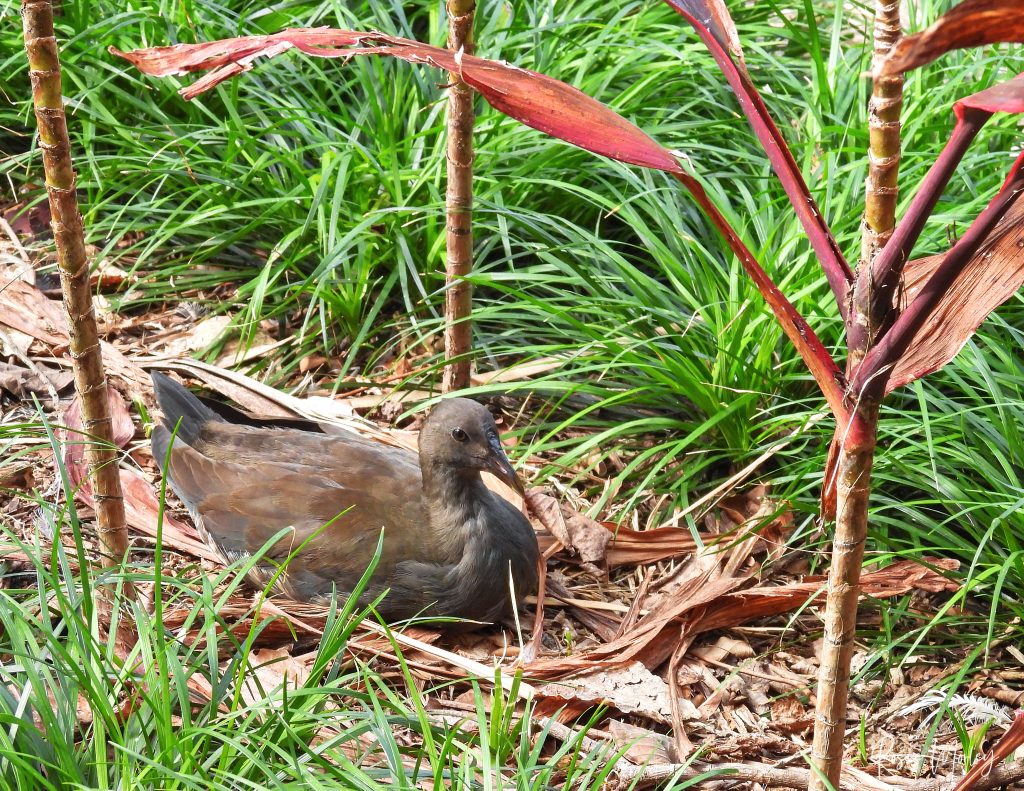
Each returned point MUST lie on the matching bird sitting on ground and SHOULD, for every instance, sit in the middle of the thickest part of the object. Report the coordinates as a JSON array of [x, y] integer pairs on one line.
[[451, 546]]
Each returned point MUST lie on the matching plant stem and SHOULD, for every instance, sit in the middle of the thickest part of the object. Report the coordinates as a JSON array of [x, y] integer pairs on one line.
[[73, 266], [458, 303], [853, 487], [869, 313]]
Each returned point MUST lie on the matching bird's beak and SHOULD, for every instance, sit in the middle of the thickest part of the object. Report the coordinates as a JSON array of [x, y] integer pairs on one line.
[[499, 465]]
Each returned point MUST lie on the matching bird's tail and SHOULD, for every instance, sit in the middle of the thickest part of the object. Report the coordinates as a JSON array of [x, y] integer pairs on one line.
[[183, 414]]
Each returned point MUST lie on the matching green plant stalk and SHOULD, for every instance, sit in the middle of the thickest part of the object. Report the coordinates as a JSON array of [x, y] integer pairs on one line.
[[69, 239], [458, 303], [867, 317]]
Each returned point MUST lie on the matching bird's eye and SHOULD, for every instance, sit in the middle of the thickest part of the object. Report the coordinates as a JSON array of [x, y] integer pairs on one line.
[[459, 435]]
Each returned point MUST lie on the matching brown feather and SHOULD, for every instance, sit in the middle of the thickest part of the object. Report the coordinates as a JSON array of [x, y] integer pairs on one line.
[[449, 546]]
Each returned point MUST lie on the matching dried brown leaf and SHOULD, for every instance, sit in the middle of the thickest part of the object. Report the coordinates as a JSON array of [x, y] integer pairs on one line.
[[20, 477], [704, 603], [22, 383], [275, 670], [630, 547], [993, 275], [25, 308], [198, 337], [578, 533], [631, 689], [974, 23], [640, 745], [519, 371]]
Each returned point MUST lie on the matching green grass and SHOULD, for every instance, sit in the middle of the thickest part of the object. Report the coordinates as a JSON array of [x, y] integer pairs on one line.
[[318, 191], [147, 729]]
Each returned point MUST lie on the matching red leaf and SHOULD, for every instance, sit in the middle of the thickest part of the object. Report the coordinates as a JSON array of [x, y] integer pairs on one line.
[[534, 99], [992, 276], [974, 23], [1005, 97], [711, 20], [916, 325], [711, 17], [828, 483]]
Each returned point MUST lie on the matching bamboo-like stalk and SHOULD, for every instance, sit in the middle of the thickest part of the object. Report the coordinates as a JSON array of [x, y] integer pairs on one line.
[[871, 313], [853, 488], [73, 266], [458, 303]]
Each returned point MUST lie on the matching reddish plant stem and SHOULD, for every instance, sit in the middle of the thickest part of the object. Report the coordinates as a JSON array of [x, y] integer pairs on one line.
[[458, 303], [873, 373], [73, 266], [813, 352], [853, 488]]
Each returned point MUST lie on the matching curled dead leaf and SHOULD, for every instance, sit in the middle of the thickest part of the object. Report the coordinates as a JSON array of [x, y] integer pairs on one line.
[[578, 533]]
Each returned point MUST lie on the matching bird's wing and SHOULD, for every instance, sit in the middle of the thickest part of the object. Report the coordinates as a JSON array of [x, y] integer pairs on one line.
[[243, 487]]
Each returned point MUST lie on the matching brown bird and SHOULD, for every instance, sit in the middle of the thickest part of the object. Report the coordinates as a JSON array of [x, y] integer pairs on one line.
[[451, 546]]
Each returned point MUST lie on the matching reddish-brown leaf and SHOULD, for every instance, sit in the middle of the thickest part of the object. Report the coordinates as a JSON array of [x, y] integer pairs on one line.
[[713, 16], [704, 604], [711, 20], [828, 484], [637, 547], [1004, 97], [534, 99], [577, 532], [25, 308], [991, 277], [974, 23], [1003, 749], [141, 504], [75, 438]]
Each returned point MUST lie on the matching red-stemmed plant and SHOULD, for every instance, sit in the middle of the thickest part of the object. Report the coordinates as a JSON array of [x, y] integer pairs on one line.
[[903, 319]]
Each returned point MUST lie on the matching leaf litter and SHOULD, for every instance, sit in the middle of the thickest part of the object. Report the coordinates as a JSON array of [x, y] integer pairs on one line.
[[693, 645]]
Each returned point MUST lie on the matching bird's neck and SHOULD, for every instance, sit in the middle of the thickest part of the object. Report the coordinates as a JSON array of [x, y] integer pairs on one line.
[[454, 502]]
